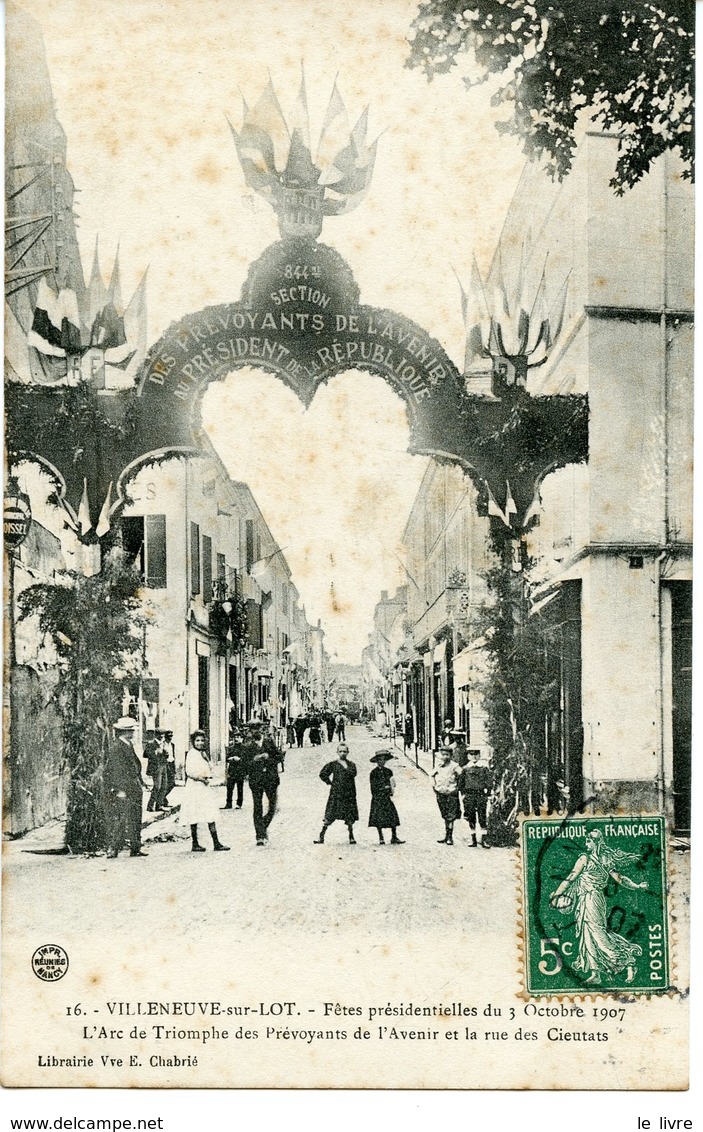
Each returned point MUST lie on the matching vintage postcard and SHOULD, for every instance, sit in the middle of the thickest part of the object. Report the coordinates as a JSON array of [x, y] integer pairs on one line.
[[348, 544]]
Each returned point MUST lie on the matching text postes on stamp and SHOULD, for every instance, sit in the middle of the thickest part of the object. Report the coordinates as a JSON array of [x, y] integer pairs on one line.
[[594, 905]]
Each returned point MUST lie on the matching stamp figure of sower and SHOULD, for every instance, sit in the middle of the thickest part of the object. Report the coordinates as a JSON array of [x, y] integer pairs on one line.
[[600, 951]]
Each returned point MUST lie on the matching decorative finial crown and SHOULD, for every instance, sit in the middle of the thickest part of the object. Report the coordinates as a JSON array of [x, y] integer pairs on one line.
[[277, 162]]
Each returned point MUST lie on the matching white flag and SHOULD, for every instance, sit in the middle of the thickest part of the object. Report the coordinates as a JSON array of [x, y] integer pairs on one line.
[[84, 521], [103, 523]]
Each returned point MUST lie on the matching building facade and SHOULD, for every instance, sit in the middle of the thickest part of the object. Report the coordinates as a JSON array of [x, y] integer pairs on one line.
[[377, 695], [206, 552], [446, 558], [612, 581], [609, 542]]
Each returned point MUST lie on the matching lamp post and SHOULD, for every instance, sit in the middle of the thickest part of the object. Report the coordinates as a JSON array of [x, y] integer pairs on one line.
[[16, 521]]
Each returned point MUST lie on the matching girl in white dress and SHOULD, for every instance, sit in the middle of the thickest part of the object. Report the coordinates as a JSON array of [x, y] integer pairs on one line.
[[199, 803]]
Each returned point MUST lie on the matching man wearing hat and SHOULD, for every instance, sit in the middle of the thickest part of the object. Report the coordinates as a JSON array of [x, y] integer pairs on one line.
[[383, 814], [156, 767], [236, 768], [475, 786], [262, 760], [122, 778], [445, 735]]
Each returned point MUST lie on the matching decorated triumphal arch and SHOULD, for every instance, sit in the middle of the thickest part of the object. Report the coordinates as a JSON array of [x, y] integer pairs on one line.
[[301, 317]]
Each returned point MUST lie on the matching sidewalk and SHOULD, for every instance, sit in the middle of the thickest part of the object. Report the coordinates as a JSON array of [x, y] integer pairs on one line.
[[49, 838], [422, 760]]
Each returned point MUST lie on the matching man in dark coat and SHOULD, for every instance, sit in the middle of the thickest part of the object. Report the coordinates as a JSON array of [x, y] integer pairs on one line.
[[122, 779], [341, 805], [262, 760], [315, 729], [236, 769], [329, 724], [408, 732], [301, 724], [149, 756], [159, 775], [170, 750]]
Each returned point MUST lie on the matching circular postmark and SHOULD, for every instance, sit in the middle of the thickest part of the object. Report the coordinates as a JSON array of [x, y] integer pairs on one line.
[[50, 962]]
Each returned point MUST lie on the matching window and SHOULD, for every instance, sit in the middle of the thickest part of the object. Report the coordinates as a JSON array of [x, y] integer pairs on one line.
[[194, 558], [207, 569], [144, 541], [221, 568]]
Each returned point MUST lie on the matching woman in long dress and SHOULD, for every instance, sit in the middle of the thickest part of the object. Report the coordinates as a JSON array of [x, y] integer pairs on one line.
[[383, 813], [199, 802], [601, 951]]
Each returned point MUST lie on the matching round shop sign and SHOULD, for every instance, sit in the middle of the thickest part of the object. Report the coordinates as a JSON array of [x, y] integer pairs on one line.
[[16, 518]]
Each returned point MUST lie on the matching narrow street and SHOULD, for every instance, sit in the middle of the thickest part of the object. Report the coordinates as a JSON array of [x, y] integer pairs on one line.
[[288, 886]]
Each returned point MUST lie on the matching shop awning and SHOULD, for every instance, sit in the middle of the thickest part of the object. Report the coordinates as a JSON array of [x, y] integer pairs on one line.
[[469, 666]]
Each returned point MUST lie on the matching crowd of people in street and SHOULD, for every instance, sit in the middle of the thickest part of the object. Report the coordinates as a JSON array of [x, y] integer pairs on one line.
[[460, 780], [317, 724]]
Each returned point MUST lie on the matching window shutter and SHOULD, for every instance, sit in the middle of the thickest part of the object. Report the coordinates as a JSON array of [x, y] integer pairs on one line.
[[156, 552], [194, 558], [207, 569]]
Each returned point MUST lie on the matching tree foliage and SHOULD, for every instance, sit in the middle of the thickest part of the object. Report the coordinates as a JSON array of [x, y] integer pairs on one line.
[[629, 62], [518, 689], [94, 626]]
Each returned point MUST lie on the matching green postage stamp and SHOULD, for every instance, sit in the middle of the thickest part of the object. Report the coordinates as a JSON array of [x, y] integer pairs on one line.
[[594, 905]]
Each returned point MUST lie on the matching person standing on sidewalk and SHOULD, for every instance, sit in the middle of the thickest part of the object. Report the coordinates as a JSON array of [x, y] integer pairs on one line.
[[340, 776], [159, 774], [236, 769], [122, 779], [170, 750], [383, 814], [475, 785], [199, 802], [262, 762], [408, 732], [446, 776], [340, 724]]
